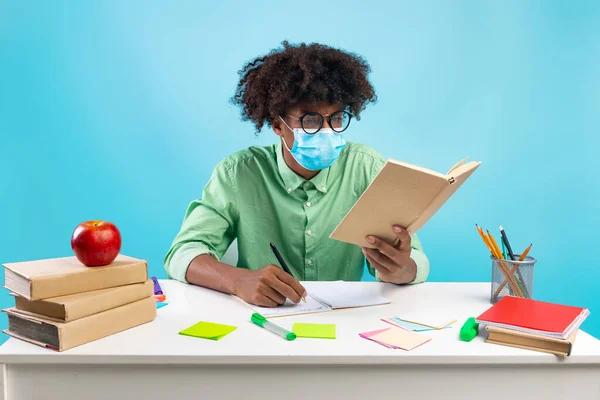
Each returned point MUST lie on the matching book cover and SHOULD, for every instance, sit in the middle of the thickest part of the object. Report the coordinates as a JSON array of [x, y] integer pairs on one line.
[[61, 336], [401, 194], [42, 279], [74, 306]]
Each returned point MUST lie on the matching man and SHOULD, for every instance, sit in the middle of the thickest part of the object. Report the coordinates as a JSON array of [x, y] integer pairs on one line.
[[292, 193]]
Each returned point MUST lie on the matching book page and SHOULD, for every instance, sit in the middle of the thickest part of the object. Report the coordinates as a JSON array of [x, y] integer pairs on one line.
[[464, 169], [458, 164], [340, 294], [288, 308], [418, 168], [460, 175]]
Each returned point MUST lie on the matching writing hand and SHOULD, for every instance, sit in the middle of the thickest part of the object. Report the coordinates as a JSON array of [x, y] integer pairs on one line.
[[268, 286]]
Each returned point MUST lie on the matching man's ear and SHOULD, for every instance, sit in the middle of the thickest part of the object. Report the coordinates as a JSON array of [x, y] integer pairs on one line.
[[277, 126]]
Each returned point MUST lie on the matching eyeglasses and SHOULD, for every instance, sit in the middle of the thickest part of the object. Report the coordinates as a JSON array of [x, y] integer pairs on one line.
[[312, 122]]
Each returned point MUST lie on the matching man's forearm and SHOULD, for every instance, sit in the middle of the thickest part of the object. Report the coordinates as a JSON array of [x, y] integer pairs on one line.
[[207, 271]]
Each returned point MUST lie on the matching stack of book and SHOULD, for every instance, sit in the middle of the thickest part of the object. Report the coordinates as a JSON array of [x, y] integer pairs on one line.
[[533, 324], [61, 303]]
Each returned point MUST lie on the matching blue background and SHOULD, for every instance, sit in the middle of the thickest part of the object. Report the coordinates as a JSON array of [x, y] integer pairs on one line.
[[119, 111]]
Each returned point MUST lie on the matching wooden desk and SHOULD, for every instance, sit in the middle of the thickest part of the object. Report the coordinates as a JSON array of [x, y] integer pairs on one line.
[[154, 362]]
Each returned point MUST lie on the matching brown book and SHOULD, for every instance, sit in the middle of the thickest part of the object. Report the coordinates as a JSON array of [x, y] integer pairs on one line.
[[530, 341], [62, 336], [74, 306], [42, 279], [401, 194]]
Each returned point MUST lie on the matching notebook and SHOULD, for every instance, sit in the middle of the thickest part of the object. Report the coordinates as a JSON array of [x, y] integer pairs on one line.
[[326, 296], [401, 194], [534, 316]]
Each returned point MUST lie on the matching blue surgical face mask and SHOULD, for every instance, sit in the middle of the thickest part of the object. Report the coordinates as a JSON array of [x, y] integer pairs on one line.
[[316, 151]]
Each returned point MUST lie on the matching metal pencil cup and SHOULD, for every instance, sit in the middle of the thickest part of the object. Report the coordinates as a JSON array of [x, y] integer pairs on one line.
[[512, 278]]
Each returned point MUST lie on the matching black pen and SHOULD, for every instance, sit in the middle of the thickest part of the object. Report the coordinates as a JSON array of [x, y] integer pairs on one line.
[[282, 262], [512, 257], [506, 243]]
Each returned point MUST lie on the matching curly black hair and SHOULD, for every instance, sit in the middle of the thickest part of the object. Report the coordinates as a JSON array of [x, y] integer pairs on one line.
[[298, 73]]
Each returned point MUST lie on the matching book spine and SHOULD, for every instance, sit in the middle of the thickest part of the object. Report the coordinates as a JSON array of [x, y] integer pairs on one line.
[[92, 279]]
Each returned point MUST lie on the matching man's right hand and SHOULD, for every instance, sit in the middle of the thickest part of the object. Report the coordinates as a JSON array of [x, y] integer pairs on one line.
[[268, 287]]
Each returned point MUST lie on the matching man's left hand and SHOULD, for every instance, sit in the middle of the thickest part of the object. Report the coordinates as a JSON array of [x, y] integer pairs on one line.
[[393, 263]]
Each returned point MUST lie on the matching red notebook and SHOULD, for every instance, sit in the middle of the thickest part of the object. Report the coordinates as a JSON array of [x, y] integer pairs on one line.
[[534, 316]]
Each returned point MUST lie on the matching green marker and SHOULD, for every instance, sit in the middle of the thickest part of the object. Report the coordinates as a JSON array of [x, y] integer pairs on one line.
[[263, 322], [469, 330]]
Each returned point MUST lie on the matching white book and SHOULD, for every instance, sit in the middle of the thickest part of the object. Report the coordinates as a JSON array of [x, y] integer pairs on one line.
[[327, 296]]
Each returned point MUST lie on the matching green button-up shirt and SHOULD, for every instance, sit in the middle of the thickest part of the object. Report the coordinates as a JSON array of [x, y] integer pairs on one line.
[[254, 197]]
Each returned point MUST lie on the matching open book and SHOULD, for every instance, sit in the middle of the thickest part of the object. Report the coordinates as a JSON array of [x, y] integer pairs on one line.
[[327, 296], [401, 194]]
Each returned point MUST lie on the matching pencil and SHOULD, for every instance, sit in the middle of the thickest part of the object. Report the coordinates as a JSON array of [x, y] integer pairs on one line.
[[495, 244], [282, 262], [525, 253], [485, 240]]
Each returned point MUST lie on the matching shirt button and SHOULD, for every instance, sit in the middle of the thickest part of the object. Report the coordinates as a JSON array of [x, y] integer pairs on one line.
[[324, 189], [308, 204], [309, 232], [289, 190], [307, 185], [309, 262]]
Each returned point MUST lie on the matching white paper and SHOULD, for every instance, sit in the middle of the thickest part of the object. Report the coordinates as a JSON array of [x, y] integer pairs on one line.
[[325, 296], [340, 294], [290, 308]]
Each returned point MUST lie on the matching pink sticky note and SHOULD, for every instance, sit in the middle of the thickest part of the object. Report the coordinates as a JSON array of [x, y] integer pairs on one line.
[[400, 338], [368, 335]]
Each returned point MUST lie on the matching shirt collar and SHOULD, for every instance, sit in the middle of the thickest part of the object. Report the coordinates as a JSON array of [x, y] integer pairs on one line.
[[320, 180], [291, 180]]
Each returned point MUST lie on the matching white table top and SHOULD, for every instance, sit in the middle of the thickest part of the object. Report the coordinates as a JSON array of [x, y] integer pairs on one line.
[[158, 342]]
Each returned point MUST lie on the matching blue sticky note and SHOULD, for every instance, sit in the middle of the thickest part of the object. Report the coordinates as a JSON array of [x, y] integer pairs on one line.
[[160, 304], [412, 326]]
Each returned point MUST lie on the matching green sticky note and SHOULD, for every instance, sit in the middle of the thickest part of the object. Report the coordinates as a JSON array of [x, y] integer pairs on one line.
[[319, 331], [208, 330]]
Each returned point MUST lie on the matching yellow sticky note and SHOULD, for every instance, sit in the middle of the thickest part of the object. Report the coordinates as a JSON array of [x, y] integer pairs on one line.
[[208, 330], [401, 338], [319, 331]]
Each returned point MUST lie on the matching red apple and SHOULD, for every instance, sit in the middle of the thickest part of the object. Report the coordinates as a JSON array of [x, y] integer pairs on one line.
[[96, 243]]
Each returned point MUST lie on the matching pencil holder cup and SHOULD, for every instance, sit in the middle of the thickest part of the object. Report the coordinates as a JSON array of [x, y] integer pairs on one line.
[[512, 278]]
